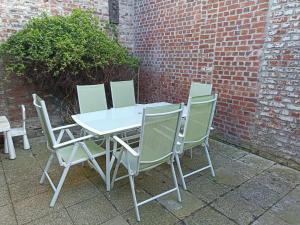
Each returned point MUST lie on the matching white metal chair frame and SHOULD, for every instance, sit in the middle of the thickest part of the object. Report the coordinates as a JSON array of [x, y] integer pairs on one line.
[[21, 131], [204, 140], [126, 149], [57, 144]]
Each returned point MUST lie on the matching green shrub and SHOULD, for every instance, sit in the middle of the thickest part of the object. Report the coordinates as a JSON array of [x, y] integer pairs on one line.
[[59, 52]]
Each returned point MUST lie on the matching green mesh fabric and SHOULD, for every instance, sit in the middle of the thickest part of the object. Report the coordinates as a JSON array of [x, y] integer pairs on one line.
[[198, 118], [91, 98], [95, 150], [199, 89], [159, 133], [43, 117], [122, 93]]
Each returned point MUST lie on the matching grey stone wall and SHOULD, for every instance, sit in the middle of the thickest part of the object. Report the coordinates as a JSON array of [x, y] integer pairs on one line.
[[278, 109]]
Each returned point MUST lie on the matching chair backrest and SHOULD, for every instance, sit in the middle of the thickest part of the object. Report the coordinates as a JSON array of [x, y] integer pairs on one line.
[[42, 112], [200, 89], [199, 118], [91, 98], [159, 134], [122, 93]]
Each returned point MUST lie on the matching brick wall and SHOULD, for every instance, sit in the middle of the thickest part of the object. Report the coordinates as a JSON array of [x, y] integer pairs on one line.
[[248, 50], [278, 109], [216, 42]]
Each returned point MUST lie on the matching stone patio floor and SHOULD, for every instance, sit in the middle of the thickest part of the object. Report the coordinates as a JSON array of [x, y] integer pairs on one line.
[[247, 189]]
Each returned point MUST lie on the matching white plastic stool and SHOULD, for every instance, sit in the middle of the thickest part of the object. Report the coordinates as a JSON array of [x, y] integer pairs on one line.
[[21, 131], [8, 143]]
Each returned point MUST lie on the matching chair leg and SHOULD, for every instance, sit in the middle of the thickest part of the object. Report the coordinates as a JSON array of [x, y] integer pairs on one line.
[[10, 144], [26, 144], [5, 143], [116, 171], [209, 160], [180, 171], [131, 179], [59, 186], [97, 167], [175, 182], [42, 180]]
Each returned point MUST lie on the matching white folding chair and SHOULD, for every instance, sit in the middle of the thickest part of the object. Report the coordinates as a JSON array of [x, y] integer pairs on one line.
[[68, 153], [196, 130], [157, 145]]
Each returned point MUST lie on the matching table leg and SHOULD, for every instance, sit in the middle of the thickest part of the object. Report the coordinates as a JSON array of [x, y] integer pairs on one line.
[[10, 144], [107, 149]]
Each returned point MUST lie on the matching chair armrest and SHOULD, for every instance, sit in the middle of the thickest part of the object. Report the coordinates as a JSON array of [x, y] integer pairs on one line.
[[65, 127], [73, 141], [126, 146]]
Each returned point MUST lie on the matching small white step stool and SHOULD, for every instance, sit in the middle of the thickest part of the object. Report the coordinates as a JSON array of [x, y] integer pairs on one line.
[[21, 131], [9, 133], [8, 143]]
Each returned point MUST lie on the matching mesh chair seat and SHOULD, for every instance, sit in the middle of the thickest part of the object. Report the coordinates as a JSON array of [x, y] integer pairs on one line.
[[80, 155], [133, 162]]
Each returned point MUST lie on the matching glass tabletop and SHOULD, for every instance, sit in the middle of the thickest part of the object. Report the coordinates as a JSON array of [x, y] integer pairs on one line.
[[113, 120]]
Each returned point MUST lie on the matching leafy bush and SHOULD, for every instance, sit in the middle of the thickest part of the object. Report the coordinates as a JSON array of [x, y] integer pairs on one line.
[[59, 52]]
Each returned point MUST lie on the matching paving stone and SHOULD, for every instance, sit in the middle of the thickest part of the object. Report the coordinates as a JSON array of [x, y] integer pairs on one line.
[[269, 219], [231, 175], [274, 182], [7, 216], [220, 161], [99, 183], [74, 176], [287, 174], [21, 174], [237, 208], [154, 182], [93, 211], [116, 221], [151, 213], [207, 216], [258, 194], [42, 159], [257, 162], [4, 196], [288, 208], [206, 189], [230, 151], [78, 192], [35, 207], [182, 209], [27, 188], [2, 179], [56, 218], [121, 197], [197, 160], [23, 160], [242, 190]]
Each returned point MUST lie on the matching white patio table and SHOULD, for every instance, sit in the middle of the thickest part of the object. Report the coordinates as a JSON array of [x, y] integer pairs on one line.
[[108, 122]]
